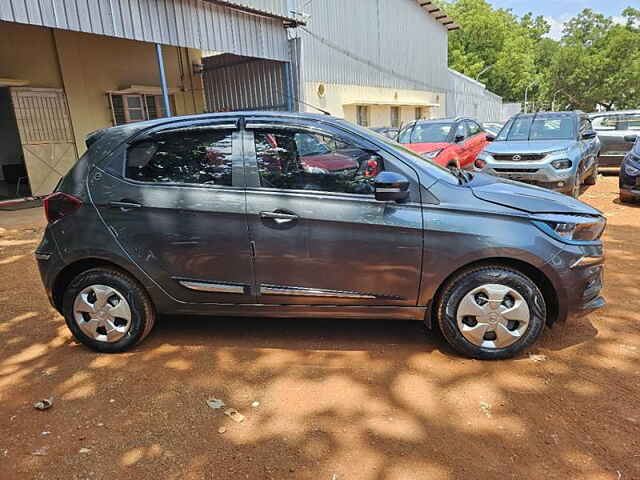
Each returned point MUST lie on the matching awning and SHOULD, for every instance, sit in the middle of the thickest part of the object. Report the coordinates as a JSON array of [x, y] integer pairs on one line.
[[142, 89]]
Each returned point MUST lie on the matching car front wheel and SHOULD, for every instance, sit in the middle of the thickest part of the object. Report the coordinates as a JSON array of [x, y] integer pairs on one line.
[[107, 310], [491, 312]]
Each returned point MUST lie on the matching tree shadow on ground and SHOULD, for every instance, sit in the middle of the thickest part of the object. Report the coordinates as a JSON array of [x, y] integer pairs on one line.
[[358, 399]]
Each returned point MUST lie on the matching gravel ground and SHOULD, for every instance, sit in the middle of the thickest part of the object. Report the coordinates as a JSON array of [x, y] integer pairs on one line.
[[337, 400]]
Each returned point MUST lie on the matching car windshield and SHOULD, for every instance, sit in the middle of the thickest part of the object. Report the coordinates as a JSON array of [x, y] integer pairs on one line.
[[427, 133], [534, 127]]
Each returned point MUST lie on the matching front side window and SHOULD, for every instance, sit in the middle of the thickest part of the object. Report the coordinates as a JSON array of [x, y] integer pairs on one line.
[[623, 121], [474, 128], [299, 160], [200, 157], [430, 133], [461, 131]]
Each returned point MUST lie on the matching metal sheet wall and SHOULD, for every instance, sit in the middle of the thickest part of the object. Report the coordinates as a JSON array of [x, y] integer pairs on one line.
[[383, 43], [185, 23], [471, 98], [234, 83]]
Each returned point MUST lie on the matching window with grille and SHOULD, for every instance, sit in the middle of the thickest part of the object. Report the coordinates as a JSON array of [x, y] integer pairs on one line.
[[134, 107]]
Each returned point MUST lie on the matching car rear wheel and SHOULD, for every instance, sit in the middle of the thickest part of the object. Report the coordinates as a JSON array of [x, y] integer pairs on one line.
[[107, 310], [491, 312]]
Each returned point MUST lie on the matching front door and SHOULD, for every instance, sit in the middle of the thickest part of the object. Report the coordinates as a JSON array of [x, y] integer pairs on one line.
[[178, 209], [320, 236]]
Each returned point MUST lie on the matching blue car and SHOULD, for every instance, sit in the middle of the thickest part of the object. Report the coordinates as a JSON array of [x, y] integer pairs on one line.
[[555, 150], [630, 172]]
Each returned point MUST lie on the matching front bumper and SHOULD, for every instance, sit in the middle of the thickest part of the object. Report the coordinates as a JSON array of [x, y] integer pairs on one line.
[[581, 281], [540, 173]]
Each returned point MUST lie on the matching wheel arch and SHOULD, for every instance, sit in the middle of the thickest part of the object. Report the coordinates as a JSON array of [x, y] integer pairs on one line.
[[535, 274], [72, 270]]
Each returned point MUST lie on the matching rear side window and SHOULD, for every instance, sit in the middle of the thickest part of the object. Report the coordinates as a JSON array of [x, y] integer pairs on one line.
[[201, 157]]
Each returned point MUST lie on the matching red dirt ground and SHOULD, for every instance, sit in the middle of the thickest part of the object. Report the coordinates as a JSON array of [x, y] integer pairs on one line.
[[339, 400]]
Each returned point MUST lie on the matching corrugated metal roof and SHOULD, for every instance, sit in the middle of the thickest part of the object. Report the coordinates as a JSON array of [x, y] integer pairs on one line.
[[216, 25]]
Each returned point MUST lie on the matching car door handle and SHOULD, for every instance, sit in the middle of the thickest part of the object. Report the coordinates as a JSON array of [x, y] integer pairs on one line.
[[125, 204], [279, 217]]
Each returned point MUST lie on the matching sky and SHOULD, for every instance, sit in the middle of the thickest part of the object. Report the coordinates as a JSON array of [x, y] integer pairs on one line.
[[558, 11]]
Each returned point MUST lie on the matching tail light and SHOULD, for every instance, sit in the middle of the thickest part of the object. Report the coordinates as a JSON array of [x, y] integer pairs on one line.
[[58, 205]]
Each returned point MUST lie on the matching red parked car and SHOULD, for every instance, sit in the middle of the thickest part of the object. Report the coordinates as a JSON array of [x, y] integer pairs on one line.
[[446, 141]]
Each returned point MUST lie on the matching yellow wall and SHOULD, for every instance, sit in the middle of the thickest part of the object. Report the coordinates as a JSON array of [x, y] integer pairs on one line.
[[341, 100], [87, 66]]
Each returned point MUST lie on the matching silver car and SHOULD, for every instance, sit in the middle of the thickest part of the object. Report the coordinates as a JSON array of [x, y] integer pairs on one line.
[[555, 150], [614, 129]]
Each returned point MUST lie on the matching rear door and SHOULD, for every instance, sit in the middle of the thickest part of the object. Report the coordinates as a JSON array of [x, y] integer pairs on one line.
[[320, 236], [175, 202]]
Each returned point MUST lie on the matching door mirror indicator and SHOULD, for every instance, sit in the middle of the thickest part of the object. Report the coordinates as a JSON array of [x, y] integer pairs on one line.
[[490, 138], [589, 134], [630, 138], [391, 186]]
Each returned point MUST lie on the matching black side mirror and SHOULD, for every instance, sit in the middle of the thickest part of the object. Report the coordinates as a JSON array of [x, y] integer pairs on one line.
[[391, 186], [490, 138], [630, 138], [589, 134], [459, 138]]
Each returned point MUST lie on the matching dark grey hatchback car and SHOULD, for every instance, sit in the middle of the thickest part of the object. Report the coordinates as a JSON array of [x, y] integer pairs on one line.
[[299, 215]]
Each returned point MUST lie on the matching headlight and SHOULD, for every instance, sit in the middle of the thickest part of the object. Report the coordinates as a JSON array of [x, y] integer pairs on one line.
[[572, 228], [431, 155], [561, 164], [631, 170]]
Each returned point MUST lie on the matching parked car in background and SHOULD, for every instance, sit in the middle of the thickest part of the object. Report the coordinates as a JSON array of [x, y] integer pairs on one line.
[[493, 127], [446, 141], [630, 172], [143, 225], [390, 132], [555, 150], [614, 128]]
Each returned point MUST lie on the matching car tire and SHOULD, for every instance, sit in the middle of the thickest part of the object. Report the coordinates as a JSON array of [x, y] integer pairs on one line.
[[576, 187], [592, 179], [510, 338], [107, 310]]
